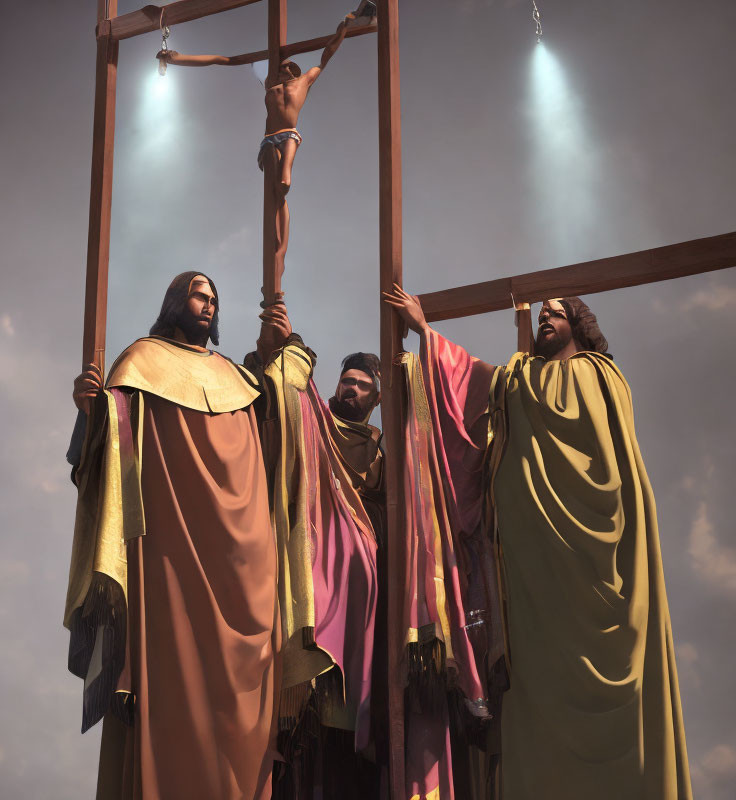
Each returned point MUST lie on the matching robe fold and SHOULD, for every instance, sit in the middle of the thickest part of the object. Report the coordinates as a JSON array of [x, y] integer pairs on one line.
[[454, 634], [173, 516], [593, 708], [327, 556]]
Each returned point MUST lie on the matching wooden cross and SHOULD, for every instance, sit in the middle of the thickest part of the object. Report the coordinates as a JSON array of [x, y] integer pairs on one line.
[[663, 263]]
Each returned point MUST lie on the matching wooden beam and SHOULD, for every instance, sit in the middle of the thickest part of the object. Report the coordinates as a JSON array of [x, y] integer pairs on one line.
[[275, 209], [306, 46], [276, 35], [309, 45], [602, 275], [390, 249], [148, 18], [100, 199], [525, 332]]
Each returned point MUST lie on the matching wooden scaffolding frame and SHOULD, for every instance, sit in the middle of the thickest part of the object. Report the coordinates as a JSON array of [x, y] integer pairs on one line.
[[663, 263]]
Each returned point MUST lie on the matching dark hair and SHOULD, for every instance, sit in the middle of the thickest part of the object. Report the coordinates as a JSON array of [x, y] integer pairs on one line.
[[294, 68], [584, 325], [174, 303], [365, 362]]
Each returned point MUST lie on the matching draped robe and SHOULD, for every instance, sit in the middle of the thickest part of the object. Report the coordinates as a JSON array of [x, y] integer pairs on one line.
[[593, 709], [327, 551], [173, 539]]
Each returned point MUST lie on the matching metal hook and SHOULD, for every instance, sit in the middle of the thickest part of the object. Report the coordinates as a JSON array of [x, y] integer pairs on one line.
[[537, 21], [165, 31]]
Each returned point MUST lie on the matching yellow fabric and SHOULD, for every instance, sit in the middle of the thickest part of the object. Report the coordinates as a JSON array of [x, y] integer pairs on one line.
[[109, 504], [185, 375], [433, 795], [289, 375], [594, 708], [358, 444], [418, 412]]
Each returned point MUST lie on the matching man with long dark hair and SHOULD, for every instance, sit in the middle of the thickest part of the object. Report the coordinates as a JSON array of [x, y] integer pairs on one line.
[[544, 449], [172, 602]]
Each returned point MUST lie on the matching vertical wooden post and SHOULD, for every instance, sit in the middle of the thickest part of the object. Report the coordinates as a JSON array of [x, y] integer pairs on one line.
[[277, 20], [525, 334], [389, 151], [100, 200]]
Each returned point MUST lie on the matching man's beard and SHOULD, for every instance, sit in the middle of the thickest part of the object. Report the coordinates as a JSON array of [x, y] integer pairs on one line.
[[548, 346], [347, 410], [192, 329]]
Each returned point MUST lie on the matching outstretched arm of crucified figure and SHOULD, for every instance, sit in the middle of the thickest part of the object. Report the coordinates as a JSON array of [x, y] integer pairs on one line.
[[183, 60], [329, 51]]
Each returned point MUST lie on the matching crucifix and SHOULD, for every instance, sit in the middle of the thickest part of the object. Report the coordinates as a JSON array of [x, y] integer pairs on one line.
[[664, 263], [286, 93]]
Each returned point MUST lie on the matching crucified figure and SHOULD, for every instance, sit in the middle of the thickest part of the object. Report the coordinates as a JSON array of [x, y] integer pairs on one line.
[[286, 93]]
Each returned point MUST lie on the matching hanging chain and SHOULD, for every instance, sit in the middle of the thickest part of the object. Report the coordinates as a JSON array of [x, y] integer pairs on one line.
[[165, 32], [537, 21]]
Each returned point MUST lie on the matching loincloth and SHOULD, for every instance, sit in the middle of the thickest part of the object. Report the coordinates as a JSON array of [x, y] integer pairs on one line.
[[277, 140]]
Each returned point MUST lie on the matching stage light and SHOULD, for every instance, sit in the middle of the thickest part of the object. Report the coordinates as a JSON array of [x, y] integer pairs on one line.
[[564, 164]]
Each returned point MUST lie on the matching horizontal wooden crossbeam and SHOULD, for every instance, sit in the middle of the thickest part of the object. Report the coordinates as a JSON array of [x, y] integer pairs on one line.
[[305, 46], [602, 275], [148, 18]]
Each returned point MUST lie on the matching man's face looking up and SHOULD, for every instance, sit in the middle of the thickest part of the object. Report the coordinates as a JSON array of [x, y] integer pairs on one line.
[[196, 318], [356, 394], [555, 331]]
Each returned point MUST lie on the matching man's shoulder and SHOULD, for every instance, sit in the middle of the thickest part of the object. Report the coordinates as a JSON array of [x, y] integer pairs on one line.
[[200, 379]]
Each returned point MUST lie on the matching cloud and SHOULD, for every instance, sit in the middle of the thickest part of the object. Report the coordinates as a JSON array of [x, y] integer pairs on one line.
[[6, 323], [687, 664], [712, 561], [720, 761], [236, 248], [715, 770], [716, 298]]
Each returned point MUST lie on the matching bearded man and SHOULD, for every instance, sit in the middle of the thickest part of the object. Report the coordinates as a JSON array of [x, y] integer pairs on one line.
[[593, 708], [172, 601], [329, 536], [357, 394]]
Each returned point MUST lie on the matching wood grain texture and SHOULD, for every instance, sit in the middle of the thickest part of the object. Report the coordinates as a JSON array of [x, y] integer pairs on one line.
[[602, 275], [392, 412], [148, 18], [100, 200], [277, 23]]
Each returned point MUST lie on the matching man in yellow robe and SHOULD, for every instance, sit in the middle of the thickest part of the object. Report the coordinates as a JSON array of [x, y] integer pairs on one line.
[[593, 709]]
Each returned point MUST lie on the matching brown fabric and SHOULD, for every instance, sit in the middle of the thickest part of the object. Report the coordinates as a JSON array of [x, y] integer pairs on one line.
[[202, 615], [359, 446]]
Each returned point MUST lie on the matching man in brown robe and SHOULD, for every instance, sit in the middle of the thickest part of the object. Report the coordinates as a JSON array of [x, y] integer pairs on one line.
[[172, 601], [357, 394]]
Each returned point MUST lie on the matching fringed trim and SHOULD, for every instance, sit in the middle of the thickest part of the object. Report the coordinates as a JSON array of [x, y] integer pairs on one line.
[[300, 732], [97, 646], [427, 674]]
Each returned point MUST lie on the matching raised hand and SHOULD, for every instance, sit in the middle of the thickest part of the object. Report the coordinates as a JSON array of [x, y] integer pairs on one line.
[[275, 329], [408, 307], [86, 387]]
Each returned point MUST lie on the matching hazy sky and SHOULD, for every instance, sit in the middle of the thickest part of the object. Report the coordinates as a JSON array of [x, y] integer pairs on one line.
[[618, 135]]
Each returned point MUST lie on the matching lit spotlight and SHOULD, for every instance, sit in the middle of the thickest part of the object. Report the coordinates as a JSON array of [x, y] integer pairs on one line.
[[564, 167], [158, 117]]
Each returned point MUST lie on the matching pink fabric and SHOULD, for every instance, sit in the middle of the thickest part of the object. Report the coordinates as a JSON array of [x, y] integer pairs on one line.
[[443, 484], [458, 387], [344, 563]]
